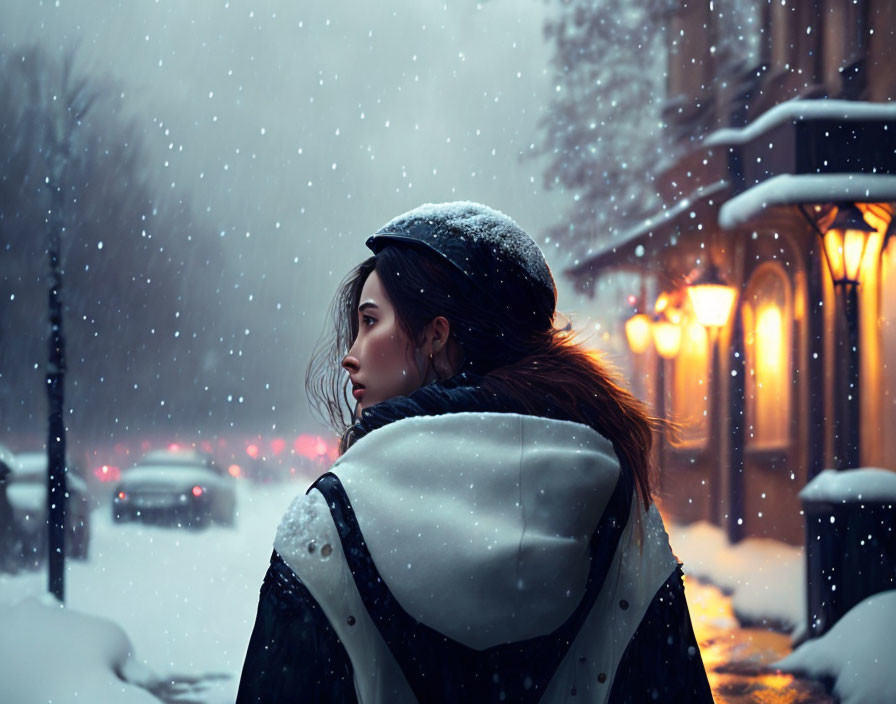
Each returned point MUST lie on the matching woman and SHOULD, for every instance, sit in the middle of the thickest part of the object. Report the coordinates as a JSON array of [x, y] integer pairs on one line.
[[487, 533]]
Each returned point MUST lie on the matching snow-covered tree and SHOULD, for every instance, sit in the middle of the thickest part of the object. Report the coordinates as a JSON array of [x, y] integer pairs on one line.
[[603, 135], [138, 324]]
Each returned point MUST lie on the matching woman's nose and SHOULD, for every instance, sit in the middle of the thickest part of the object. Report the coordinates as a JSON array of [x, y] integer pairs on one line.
[[350, 363]]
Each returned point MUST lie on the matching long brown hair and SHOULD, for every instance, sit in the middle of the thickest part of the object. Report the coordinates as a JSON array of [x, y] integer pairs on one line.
[[521, 362]]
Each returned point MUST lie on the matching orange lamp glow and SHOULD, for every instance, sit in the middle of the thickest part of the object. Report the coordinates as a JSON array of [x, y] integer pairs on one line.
[[845, 242], [712, 298], [666, 337], [637, 332]]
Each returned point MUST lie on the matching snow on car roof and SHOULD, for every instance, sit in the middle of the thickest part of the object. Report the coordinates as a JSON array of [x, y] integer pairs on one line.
[[168, 457], [185, 474], [30, 462], [32, 466]]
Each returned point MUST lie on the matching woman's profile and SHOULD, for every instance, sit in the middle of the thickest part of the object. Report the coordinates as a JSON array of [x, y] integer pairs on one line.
[[488, 532]]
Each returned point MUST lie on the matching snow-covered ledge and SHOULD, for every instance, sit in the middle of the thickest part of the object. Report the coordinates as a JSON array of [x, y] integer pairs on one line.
[[801, 111], [790, 189], [864, 484]]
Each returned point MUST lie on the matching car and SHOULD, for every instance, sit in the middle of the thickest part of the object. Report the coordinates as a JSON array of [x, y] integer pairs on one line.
[[183, 487], [9, 548], [26, 493]]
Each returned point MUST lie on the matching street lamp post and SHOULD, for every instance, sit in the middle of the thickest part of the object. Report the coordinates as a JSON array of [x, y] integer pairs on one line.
[[844, 243], [844, 246], [713, 300], [846, 557]]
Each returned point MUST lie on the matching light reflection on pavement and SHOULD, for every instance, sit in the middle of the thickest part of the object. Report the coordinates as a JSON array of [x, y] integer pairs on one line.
[[737, 659]]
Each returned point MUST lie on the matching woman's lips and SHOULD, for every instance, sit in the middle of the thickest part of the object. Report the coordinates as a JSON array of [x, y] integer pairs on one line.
[[358, 393]]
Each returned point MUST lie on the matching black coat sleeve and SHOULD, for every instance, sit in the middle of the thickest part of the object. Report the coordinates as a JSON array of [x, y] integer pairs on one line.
[[662, 661], [294, 655]]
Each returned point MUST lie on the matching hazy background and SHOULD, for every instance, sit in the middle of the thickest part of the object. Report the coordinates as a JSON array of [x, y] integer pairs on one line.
[[288, 131]]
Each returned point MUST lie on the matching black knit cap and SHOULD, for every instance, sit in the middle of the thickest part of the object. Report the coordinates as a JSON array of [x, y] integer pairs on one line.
[[488, 247]]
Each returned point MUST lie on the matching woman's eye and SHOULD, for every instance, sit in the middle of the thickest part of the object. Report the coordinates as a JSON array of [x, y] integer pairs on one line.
[[367, 320]]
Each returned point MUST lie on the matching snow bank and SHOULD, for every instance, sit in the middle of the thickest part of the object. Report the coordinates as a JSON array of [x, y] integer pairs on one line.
[[857, 653], [868, 484], [49, 653], [186, 599], [766, 578]]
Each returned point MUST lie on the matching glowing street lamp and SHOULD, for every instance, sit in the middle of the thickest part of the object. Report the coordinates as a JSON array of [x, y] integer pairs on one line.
[[637, 332], [845, 242], [712, 298], [666, 336]]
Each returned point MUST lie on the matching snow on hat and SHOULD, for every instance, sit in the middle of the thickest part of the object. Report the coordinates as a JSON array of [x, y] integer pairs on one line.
[[495, 253]]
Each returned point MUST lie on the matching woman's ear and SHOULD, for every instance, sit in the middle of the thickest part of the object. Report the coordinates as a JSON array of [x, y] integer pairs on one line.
[[440, 331]]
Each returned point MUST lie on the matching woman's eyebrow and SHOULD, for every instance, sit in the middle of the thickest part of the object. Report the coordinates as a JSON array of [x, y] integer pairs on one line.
[[367, 304]]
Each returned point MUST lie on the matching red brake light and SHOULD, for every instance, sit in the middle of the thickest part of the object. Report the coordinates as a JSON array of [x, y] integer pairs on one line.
[[107, 473], [122, 495], [197, 491]]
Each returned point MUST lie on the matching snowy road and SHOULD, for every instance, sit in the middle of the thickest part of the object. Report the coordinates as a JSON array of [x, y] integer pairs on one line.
[[186, 599], [187, 602]]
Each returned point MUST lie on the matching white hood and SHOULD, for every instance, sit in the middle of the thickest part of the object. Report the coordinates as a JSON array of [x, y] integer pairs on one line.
[[479, 523]]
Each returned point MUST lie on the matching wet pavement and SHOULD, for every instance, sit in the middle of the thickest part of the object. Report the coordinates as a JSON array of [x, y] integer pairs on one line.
[[737, 659]]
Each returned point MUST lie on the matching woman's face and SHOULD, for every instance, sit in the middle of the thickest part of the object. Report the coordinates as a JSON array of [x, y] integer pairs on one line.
[[382, 361]]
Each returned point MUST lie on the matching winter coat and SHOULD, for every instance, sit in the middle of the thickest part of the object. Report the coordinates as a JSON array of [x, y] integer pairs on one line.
[[472, 556]]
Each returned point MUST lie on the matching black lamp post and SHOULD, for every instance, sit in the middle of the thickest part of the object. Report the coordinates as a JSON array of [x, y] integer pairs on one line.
[[845, 242], [713, 300], [847, 557]]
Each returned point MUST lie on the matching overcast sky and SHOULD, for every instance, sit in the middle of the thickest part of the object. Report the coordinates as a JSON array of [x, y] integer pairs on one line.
[[308, 125]]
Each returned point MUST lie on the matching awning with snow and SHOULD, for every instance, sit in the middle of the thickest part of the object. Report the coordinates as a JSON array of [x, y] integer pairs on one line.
[[810, 151], [634, 247], [816, 151], [797, 189], [802, 111]]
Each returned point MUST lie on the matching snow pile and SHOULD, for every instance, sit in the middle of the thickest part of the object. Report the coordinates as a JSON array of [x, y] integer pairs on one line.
[[766, 578], [49, 653], [856, 653], [187, 599]]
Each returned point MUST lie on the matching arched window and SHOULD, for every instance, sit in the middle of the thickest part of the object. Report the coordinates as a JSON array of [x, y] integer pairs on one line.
[[766, 310], [689, 395], [888, 352]]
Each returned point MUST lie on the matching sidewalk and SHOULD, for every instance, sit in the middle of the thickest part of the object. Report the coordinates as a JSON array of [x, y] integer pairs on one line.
[[736, 658], [756, 609]]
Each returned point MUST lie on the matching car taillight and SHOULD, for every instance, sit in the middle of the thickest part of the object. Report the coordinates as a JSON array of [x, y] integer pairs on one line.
[[122, 495], [197, 491], [234, 470], [107, 473]]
